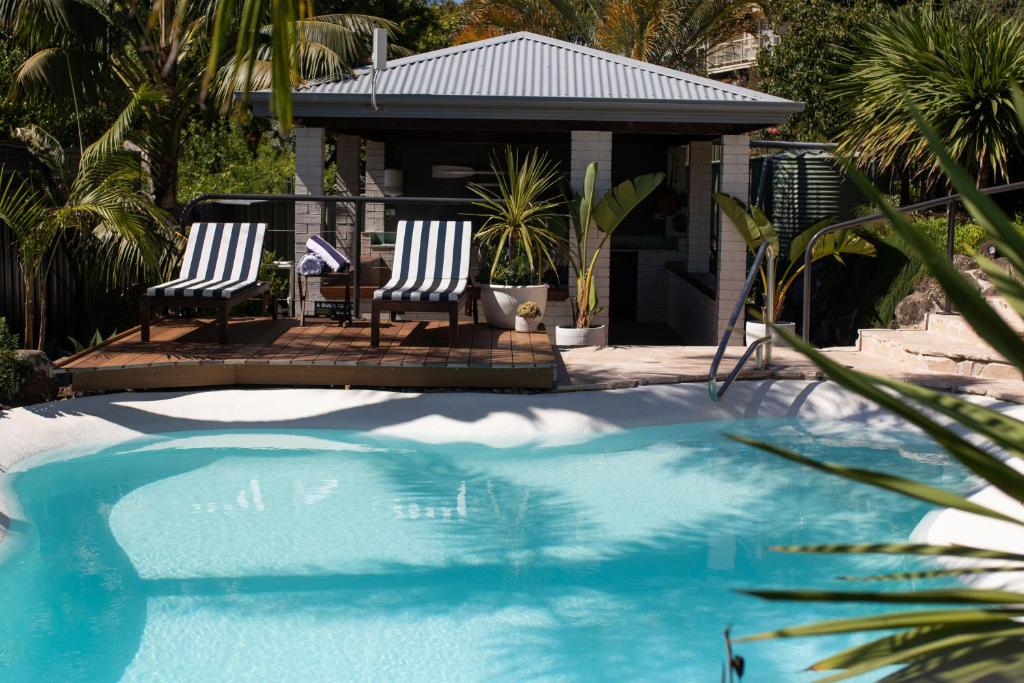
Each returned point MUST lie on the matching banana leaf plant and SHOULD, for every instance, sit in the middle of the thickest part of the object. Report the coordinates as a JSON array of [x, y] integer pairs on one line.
[[606, 214], [756, 229], [962, 633]]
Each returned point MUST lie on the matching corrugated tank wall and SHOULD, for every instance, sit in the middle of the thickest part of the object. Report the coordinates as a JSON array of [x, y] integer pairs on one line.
[[797, 189]]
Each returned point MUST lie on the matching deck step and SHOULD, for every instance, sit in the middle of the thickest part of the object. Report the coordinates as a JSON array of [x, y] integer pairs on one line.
[[938, 352]]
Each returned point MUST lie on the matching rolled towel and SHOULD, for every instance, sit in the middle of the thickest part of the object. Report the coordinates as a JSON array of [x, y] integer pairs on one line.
[[311, 264], [331, 257]]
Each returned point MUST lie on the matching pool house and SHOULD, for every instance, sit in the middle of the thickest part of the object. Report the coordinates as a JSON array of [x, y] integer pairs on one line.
[[673, 265], [427, 125]]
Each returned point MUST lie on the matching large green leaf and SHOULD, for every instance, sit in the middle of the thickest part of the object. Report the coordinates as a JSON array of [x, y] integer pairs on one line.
[[1001, 429], [989, 466], [920, 643], [907, 487], [616, 204], [942, 596], [891, 620], [753, 226], [901, 549]]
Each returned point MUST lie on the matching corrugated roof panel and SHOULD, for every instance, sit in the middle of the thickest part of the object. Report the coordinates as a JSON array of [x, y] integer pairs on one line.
[[533, 66]]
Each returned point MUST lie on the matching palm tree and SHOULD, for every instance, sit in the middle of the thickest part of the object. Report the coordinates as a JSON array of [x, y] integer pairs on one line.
[[95, 208], [674, 33], [166, 57], [959, 633], [957, 69]]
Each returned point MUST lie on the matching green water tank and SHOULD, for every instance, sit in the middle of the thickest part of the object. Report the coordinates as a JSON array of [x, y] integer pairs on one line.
[[798, 188]]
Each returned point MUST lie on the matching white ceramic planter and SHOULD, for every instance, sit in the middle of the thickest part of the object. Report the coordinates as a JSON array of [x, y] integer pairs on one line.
[[756, 330], [501, 301], [595, 335], [527, 324]]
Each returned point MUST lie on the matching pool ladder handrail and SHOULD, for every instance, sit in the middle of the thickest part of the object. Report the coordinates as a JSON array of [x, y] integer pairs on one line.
[[761, 346]]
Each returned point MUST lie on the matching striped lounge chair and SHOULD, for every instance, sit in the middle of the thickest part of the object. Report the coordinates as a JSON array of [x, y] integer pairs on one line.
[[430, 273], [220, 269]]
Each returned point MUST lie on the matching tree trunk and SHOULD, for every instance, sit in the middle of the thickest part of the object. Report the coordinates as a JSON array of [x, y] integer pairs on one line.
[[43, 298], [28, 330], [904, 188], [165, 182]]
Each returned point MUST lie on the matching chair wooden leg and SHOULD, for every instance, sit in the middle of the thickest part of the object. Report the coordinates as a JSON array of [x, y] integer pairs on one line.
[[222, 322], [375, 324], [453, 325], [144, 318], [272, 304]]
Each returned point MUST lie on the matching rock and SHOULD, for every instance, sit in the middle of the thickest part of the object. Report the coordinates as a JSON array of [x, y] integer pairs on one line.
[[964, 263], [36, 383], [930, 289], [912, 310]]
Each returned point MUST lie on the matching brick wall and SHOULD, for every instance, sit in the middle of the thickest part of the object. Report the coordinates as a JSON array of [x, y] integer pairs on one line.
[[374, 185], [309, 179], [588, 146], [346, 182], [732, 255]]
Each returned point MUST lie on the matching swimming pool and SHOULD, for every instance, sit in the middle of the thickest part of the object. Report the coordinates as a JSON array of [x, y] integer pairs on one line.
[[301, 555]]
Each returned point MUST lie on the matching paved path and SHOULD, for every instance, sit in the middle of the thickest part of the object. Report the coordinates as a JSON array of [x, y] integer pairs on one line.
[[628, 366]]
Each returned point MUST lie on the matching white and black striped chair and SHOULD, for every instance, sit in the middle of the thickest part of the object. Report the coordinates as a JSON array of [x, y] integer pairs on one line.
[[220, 269], [430, 273]]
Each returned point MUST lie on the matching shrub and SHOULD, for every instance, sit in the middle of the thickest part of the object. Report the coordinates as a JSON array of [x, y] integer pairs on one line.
[[528, 309], [8, 361], [225, 158]]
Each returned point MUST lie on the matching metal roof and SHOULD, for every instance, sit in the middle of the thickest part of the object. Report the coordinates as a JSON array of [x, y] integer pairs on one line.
[[525, 75]]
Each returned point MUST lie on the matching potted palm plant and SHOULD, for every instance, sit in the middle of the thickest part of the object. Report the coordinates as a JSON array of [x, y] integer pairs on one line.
[[604, 215], [517, 243], [756, 229]]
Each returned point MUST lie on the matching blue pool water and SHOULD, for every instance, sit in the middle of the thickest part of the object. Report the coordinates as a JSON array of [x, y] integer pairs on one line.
[[337, 556]]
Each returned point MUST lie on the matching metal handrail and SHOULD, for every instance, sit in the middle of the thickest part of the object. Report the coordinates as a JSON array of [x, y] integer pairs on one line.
[[857, 222], [766, 341]]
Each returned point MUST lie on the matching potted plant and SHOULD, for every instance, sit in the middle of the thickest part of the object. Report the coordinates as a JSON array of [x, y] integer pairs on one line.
[[518, 245], [604, 214], [755, 228], [528, 317]]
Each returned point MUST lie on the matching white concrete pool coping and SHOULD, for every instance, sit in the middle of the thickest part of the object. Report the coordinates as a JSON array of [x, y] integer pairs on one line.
[[497, 419]]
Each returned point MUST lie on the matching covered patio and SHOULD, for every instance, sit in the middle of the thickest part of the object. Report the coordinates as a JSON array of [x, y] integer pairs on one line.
[[674, 269]]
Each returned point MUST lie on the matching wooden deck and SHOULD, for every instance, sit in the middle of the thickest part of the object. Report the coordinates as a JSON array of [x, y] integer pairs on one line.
[[184, 353]]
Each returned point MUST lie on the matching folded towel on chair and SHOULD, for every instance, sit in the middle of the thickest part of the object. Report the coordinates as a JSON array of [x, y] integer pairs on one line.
[[330, 256], [311, 264]]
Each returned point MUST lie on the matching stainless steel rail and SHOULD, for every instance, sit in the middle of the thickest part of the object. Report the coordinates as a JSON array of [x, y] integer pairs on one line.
[[948, 200], [714, 390]]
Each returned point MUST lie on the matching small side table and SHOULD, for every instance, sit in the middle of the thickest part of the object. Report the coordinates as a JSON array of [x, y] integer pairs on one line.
[[336, 290]]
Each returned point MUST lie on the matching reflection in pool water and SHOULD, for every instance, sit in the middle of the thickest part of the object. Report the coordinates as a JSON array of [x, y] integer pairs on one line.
[[338, 556]]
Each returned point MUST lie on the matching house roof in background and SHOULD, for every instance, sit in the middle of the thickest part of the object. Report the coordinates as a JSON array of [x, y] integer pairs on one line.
[[525, 75]]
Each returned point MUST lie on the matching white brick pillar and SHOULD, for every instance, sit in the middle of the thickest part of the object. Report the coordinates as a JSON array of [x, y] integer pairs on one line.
[[732, 250], [346, 182], [698, 233], [588, 146], [374, 185], [309, 179]]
